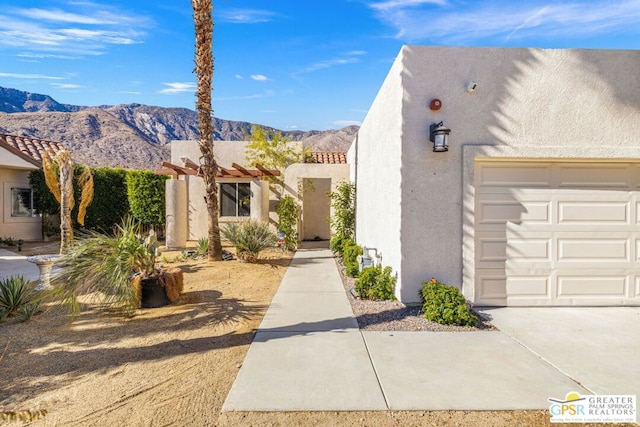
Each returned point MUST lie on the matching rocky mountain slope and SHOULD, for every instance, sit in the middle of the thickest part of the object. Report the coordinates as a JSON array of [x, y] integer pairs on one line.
[[132, 135]]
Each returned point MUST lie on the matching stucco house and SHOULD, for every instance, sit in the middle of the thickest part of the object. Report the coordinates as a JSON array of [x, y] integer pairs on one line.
[[244, 192], [18, 157], [537, 200]]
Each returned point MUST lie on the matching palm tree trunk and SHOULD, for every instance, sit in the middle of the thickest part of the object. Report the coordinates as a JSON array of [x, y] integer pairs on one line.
[[203, 20], [66, 201]]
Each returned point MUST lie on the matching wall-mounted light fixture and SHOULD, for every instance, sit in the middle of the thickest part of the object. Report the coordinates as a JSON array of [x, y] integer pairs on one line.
[[439, 136]]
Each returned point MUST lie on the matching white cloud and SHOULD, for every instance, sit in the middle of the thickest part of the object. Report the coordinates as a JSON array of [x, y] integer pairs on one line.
[[31, 55], [57, 15], [239, 77], [347, 58], [395, 4], [66, 85], [244, 16], [83, 28], [345, 123], [259, 77], [178, 87], [265, 94], [464, 22], [30, 76]]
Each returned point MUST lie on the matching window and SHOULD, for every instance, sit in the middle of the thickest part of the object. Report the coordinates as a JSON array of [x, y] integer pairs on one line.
[[22, 202], [235, 199]]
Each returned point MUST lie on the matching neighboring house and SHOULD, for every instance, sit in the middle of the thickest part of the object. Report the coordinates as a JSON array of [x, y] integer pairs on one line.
[[245, 192], [18, 157], [537, 200]]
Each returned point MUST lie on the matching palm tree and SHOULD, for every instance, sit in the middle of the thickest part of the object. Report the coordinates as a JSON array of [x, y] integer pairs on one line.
[[203, 20], [58, 174]]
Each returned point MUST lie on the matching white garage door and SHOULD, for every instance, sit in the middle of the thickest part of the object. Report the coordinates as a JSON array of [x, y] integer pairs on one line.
[[557, 233]]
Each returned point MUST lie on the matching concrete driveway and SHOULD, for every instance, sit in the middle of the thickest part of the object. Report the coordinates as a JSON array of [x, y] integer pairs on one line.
[[598, 347]]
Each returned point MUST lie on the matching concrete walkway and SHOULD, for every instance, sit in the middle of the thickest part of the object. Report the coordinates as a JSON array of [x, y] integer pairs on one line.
[[12, 264], [309, 354]]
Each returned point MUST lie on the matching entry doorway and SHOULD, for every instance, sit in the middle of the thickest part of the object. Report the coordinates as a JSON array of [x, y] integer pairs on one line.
[[316, 208]]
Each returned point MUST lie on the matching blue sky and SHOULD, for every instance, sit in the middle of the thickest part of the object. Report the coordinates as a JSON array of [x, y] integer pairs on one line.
[[290, 64]]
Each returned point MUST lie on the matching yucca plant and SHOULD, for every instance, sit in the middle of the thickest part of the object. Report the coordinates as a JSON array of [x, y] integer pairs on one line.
[[15, 292], [105, 264], [249, 238]]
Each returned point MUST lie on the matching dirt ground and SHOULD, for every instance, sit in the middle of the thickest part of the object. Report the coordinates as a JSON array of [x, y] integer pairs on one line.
[[174, 365]]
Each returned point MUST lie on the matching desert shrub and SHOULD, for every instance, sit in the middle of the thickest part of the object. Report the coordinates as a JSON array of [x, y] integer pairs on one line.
[[445, 304], [28, 310], [287, 211], [376, 283], [350, 253], [14, 292], [103, 263], [249, 238], [202, 247]]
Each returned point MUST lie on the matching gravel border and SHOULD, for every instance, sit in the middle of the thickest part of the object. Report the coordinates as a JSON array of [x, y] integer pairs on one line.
[[395, 316]]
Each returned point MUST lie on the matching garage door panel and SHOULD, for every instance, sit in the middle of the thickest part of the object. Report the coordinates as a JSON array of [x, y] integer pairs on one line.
[[572, 240], [498, 175], [531, 249], [592, 251], [601, 176], [491, 250], [593, 212], [537, 286], [589, 287]]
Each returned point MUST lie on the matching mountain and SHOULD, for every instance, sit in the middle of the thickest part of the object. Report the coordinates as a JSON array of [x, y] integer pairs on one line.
[[132, 135]]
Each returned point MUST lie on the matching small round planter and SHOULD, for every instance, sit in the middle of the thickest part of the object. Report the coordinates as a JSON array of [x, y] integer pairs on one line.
[[153, 294]]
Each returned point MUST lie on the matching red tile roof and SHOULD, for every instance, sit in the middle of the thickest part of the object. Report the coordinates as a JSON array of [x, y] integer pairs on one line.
[[28, 148], [329, 157]]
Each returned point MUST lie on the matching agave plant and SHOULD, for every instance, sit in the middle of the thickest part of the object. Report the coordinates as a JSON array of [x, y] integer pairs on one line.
[[15, 292], [249, 238], [105, 264]]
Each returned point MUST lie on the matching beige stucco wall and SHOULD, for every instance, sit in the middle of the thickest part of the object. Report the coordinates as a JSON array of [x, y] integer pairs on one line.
[[529, 103], [26, 228], [377, 173], [316, 209], [294, 177]]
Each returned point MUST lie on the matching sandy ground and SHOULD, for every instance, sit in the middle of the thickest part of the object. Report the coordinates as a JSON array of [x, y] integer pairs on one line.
[[173, 366]]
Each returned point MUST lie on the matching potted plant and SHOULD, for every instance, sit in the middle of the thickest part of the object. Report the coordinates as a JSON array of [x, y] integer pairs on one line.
[[119, 267]]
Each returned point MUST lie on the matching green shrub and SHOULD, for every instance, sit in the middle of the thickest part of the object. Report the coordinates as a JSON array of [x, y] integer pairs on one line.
[[337, 243], [376, 283], [249, 238], [445, 304], [343, 220], [110, 203], [350, 253], [288, 211], [145, 191], [15, 292]]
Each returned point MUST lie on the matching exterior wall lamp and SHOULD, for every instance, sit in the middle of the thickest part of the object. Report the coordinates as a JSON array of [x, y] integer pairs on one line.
[[439, 135]]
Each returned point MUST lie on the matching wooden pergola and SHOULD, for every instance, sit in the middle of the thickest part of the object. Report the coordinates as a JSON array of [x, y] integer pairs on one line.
[[237, 171]]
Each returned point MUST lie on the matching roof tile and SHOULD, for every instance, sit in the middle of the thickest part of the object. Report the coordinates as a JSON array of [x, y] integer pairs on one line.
[[329, 157], [29, 148]]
